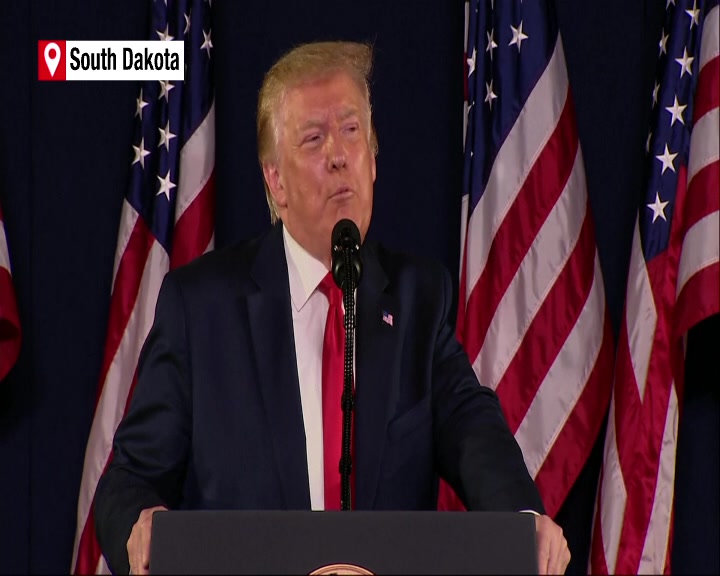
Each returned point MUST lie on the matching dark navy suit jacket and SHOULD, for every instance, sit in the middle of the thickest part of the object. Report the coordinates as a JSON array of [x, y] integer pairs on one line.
[[216, 422]]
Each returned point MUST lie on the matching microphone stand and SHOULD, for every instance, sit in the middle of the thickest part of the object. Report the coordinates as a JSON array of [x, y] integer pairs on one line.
[[348, 395], [347, 271]]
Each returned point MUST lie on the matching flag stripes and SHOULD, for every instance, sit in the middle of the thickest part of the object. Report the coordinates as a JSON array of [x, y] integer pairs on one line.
[[673, 283], [10, 334], [167, 220], [532, 315]]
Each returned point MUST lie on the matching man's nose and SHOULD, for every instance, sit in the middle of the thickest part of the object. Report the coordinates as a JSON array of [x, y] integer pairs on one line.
[[336, 153]]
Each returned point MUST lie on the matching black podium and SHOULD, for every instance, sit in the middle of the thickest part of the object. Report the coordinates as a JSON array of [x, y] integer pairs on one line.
[[296, 542]]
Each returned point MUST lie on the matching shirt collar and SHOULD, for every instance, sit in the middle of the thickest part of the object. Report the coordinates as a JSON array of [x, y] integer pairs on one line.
[[305, 272]]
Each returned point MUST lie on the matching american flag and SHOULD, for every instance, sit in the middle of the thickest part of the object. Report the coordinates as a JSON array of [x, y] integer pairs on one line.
[[167, 220], [531, 312], [673, 283], [10, 335]]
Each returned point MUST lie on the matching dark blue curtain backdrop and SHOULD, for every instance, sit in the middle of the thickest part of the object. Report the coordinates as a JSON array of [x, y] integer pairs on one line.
[[65, 151]]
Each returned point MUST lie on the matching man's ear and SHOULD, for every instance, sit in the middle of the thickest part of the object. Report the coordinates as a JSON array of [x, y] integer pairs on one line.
[[274, 183]]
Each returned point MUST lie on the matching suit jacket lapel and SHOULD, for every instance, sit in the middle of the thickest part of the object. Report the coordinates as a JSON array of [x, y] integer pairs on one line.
[[376, 379], [274, 348]]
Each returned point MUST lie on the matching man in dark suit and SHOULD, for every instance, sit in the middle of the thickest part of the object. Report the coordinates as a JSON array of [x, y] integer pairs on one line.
[[229, 411]]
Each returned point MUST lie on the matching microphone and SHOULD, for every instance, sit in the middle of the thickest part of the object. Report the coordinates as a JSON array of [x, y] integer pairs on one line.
[[346, 249], [347, 270]]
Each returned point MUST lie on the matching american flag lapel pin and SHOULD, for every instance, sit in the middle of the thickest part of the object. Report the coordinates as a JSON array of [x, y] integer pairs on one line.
[[387, 318]]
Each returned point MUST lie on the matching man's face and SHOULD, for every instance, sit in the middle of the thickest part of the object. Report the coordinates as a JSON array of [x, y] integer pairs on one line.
[[324, 167]]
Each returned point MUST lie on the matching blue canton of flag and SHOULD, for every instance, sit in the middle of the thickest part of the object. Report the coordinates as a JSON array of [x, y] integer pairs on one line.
[[499, 79], [168, 114], [669, 140]]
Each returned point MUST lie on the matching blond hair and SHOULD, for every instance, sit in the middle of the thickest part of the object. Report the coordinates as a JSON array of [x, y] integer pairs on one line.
[[301, 64]]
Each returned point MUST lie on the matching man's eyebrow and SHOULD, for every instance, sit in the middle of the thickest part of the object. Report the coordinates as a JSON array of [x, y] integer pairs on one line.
[[344, 115], [348, 113], [311, 124]]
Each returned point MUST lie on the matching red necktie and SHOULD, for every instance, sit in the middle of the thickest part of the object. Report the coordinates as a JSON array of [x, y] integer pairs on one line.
[[332, 385]]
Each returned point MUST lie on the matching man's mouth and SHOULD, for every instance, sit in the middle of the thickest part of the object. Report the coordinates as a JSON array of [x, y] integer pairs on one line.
[[342, 192]]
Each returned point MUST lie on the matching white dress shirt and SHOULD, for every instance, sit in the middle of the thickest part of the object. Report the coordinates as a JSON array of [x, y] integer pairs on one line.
[[309, 314]]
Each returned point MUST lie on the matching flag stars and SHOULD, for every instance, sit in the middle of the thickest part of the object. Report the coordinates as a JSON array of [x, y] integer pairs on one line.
[[663, 43], [165, 185], [490, 95], [647, 143], [676, 110], [685, 63], [471, 62], [656, 89], [140, 153], [165, 87], [491, 44], [140, 104], [187, 23], [658, 208], [166, 136], [165, 36], [667, 160], [694, 14], [518, 36], [207, 43]]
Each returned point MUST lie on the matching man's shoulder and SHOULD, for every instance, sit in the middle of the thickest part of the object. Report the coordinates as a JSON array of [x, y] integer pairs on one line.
[[230, 263]]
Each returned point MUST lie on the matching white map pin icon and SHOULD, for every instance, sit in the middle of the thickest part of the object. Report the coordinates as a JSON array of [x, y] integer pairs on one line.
[[52, 61]]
